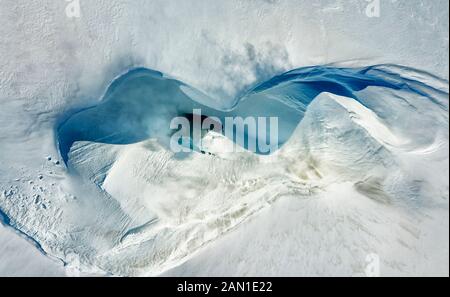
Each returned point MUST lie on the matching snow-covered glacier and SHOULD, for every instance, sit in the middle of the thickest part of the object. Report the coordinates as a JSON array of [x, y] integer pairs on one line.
[[89, 181], [142, 103]]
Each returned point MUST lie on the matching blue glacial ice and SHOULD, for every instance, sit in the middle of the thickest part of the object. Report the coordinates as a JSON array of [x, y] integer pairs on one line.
[[141, 103], [371, 137]]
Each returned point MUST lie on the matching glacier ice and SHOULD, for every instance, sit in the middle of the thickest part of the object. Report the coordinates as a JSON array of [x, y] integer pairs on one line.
[[148, 210], [141, 104], [363, 169]]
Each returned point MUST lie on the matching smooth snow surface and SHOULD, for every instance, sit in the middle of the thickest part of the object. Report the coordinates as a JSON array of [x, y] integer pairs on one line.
[[31, 262], [87, 179]]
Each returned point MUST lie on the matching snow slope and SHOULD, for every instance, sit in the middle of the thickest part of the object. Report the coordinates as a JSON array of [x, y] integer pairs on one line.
[[354, 178], [19, 257]]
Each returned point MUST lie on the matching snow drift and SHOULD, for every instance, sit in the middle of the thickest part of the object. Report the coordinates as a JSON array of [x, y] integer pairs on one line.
[[141, 104], [365, 127], [363, 170]]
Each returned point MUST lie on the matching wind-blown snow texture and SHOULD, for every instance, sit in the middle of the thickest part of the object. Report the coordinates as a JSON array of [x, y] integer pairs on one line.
[[363, 166]]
